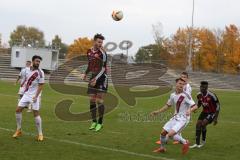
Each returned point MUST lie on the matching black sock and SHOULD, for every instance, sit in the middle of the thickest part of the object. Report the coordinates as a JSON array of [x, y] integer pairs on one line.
[[93, 110], [100, 113], [204, 133], [198, 134]]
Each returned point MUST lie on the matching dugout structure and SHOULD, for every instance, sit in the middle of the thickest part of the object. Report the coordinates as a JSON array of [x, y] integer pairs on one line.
[[19, 56]]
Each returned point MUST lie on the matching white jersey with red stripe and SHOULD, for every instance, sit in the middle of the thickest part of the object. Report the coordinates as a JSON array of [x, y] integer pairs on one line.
[[34, 78], [23, 75], [182, 103]]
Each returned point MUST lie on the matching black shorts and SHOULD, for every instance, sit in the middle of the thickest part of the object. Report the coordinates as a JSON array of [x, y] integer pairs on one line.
[[208, 116], [100, 87]]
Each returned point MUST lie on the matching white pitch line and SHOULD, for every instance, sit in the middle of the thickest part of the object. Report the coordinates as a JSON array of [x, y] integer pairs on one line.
[[114, 132], [95, 146], [8, 95]]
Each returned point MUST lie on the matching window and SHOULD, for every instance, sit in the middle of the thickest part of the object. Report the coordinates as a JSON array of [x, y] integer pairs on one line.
[[17, 54]]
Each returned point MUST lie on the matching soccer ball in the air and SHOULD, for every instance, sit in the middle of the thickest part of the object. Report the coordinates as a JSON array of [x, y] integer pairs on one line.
[[117, 15]]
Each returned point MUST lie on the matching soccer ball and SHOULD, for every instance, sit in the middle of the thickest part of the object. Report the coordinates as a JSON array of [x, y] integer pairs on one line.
[[117, 15]]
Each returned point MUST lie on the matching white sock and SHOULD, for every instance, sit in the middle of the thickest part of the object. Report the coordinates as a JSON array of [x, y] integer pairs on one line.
[[30, 106], [179, 138], [176, 137], [19, 120], [38, 122], [163, 140]]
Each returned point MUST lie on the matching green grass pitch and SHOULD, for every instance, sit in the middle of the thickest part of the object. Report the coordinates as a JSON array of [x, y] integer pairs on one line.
[[121, 138]]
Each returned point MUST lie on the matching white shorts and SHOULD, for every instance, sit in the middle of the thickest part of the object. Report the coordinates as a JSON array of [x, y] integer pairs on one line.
[[21, 90], [26, 100], [176, 124]]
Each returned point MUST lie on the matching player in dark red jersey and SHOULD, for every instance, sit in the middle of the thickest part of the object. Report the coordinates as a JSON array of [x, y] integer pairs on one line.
[[209, 114], [98, 84]]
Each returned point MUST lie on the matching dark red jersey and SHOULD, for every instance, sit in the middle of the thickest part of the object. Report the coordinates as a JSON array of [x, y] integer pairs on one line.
[[97, 62], [209, 102]]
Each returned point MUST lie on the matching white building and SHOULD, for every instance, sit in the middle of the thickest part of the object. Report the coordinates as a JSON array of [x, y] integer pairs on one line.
[[19, 56]]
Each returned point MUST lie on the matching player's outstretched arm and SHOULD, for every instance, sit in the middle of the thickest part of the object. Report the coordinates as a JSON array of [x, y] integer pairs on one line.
[[18, 78], [215, 120], [193, 108], [163, 109]]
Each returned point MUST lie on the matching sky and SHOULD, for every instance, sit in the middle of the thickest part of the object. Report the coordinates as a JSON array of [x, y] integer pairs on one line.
[[71, 19]]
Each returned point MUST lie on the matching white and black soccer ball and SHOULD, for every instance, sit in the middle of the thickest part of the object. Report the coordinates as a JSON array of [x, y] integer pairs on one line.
[[117, 15]]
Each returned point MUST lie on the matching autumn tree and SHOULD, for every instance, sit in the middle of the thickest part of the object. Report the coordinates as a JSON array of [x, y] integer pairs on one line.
[[231, 49], [220, 49], [205, 50], [25, 36], [177, 46], [213, 50], [79, 47]]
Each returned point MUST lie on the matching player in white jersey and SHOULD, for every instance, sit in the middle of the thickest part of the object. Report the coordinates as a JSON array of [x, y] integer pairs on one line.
[[184, 105], [32, 94], [22, 76], [188, 89]]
